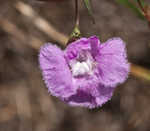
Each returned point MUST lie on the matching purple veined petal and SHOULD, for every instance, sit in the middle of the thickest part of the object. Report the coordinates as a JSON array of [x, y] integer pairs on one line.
[[95, 45], [92, 98], [112, 65], [105, 94], [90, 93], [82, 99], [74, 48], [55, 71]]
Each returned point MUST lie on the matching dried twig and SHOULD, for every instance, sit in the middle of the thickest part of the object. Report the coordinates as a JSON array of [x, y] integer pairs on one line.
[[13, 30], [41, 23]]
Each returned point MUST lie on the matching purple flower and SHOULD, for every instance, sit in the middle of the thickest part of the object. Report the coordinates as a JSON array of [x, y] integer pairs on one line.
[[86, 72]]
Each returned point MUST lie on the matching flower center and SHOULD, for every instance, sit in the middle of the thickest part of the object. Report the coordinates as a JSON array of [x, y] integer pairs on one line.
[[82, 68]]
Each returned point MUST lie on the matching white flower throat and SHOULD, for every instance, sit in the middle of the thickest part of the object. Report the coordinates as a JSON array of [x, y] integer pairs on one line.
[[81, 68]]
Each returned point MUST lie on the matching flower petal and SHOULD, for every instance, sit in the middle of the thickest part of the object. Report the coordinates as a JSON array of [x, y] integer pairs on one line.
[[91, 97], [113, 66], [55, 71], [95, 45], [81, 99], [104, 94], [74, 48], [90, 92]]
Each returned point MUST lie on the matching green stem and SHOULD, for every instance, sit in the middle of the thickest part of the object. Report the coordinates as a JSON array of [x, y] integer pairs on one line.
[[77, 18], [76, 32]]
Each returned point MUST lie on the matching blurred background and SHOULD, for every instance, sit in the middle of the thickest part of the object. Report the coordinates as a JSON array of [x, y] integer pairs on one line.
[[25, 104]]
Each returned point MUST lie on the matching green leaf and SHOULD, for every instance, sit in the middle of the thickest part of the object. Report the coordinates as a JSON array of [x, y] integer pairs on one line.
[[142, 1], [133, 7], [88, 6]]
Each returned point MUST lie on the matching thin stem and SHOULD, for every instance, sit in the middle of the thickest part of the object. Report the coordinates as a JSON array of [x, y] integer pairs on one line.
[[76, 13], [76, 31]]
